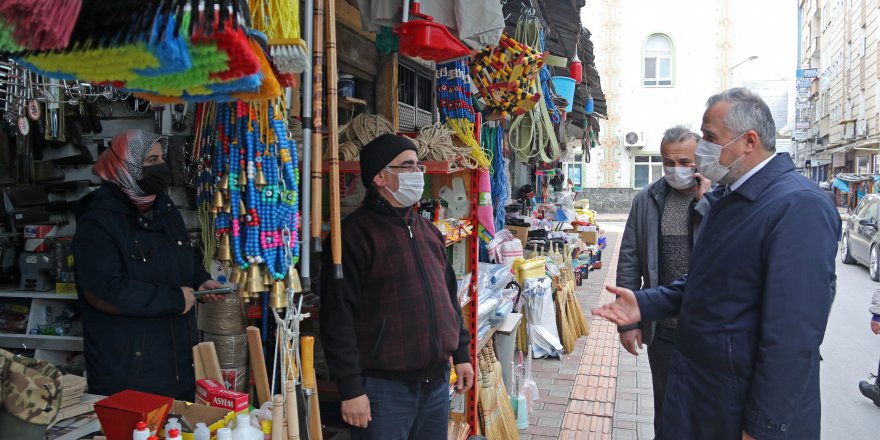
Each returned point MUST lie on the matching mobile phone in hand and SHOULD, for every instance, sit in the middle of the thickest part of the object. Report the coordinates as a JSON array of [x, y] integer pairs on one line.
[[221, 291]]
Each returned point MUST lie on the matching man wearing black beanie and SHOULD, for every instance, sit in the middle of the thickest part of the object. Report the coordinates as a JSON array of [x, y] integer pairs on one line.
[[390, 326]]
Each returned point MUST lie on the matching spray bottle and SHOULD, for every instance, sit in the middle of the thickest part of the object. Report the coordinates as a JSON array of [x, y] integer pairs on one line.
[[140, 432], [202, 432]]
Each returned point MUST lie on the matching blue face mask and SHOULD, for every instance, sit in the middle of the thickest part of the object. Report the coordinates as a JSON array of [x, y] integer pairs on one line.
[[534, 201]]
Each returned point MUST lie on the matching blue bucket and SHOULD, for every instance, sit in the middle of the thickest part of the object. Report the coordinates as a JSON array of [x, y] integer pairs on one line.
[[565, 88], [589, 106]]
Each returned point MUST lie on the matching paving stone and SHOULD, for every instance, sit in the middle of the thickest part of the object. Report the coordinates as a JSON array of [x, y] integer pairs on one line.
[[623, 434]]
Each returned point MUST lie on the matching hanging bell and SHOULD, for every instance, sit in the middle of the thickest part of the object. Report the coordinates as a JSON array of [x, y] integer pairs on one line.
[[227, 208], [235, 275], [293, 280], [260, 180], [242, 290], [219, 203], [224, 251], [224, 183], [255, 280], [278, 295], [242, 180], [242, 209]]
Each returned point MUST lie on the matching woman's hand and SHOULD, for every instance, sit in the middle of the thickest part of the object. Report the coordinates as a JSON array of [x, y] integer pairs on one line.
[[875, 327], [211, 284], [188, 298]]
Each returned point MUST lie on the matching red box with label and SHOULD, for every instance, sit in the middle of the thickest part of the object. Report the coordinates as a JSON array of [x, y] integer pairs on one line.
[[212, 393], [120, 412]]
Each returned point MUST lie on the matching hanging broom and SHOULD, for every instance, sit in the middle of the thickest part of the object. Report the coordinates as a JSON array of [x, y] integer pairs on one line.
[[279, 20], [499, 420]]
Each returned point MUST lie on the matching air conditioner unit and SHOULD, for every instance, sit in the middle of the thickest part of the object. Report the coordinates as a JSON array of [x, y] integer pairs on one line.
[[861, 128], [634, 140]]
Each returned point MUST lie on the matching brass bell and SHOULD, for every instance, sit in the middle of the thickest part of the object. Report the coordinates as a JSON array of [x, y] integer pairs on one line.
[[224, 251], [255, 280], [278, 295], [293, 280], [260, 179], [242, 209], [219, 202], [227, 208], [235, 275], [224, 183], [242, 288], [242, 180]]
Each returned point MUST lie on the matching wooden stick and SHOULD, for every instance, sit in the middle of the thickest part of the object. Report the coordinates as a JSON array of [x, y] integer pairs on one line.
[[210, 363], [278, 431], [197, 362], [317, 112], [258, 365], [307, 343], [333, 126], [292, 412]]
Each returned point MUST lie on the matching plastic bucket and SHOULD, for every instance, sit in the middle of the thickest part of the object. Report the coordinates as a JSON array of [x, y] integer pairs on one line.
[[565, 88]]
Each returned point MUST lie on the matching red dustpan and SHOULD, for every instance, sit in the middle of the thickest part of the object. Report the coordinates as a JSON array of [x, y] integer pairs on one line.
[[425, 39]]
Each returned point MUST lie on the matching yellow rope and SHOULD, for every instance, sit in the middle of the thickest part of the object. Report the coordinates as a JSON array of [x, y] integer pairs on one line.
[[465, 131]]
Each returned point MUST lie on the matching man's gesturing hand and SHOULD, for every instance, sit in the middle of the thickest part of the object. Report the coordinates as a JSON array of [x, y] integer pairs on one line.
[[631, 339], [623, 311]]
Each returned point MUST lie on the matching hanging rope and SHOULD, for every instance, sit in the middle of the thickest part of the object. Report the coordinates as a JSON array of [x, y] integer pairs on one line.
[[494, 141], [436, 143], [362, 129]]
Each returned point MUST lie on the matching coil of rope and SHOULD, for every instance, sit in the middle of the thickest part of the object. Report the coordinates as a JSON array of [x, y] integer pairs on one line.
[[362, 129], [436, 143]]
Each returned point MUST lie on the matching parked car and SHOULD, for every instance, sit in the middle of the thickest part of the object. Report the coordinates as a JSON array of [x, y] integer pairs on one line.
[[861, 238]]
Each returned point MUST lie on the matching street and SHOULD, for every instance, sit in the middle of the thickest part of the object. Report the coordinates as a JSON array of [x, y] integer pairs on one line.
[[850, 351]]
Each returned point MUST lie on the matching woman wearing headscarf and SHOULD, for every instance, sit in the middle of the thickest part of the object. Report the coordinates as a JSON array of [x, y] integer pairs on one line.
[[135, 273]]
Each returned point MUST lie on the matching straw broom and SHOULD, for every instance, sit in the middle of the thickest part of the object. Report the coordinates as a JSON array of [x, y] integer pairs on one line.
[[497, 414], [574, 309]]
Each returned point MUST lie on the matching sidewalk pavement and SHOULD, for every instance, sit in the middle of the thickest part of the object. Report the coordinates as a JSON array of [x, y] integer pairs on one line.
[[599, 391]]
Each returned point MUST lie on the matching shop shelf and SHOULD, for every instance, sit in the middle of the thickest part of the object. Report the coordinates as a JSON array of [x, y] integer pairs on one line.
[[45, 342]]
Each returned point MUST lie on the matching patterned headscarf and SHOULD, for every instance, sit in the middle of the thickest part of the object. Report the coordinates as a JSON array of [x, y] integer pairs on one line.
[[122, 163]]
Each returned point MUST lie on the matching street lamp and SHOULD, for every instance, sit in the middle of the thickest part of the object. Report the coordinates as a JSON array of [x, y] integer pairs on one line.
[[730, 71]]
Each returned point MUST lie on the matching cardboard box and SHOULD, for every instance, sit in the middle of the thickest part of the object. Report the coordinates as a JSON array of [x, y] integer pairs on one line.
[[589, 237], [212, 393], [520, 232], [213, 418], [120, 412]]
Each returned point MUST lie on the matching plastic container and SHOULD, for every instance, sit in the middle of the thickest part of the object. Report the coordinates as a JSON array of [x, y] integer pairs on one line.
[[224, 434], [172, 423], [140, 432], [346, 85], [590, 106], [565, 88], [174, 434], [243, 429], [202, 432]]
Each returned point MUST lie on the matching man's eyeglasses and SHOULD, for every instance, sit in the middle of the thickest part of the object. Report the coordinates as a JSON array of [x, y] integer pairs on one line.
[[409, 168]]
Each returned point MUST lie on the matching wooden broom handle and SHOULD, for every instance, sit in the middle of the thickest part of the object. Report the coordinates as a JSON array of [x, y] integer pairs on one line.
[[317, 112], [307, 345], [292, 412], [333, 126]]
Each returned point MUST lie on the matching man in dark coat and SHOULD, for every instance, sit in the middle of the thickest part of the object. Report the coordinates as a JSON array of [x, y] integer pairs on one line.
[[656, 247], [754, 305]]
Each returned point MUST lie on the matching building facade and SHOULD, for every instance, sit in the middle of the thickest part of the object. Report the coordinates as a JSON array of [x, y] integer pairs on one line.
[[659, 65], [838, 117]]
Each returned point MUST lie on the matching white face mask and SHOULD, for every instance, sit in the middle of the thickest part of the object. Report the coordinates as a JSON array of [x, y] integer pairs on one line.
[[707, 157], [410, 188], [680, 177]]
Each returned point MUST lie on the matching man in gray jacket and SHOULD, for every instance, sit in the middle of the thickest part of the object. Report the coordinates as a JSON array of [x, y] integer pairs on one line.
[[663, 221]]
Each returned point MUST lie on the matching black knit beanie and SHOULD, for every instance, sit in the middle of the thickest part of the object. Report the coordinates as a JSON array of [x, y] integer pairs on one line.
[[380, 152]]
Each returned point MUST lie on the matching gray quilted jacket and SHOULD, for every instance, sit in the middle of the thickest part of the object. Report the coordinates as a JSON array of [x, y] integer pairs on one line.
[[875, 302]]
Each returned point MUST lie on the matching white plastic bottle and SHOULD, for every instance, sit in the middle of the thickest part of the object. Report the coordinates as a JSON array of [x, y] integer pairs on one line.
[[224, 434], [243, 429], [202, 432], [173, 434], [172, 423], [140, 432]]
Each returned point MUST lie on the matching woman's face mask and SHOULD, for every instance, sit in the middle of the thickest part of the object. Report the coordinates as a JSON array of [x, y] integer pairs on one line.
[[680, 177], [708, 156]]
